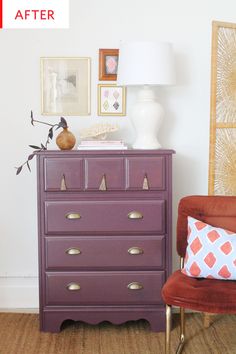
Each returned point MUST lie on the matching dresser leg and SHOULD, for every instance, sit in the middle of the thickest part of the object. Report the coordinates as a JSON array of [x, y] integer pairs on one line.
[[157, 324], [51, 323], [51, 328]]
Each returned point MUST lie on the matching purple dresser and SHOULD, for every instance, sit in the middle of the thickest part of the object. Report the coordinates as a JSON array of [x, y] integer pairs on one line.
[[104, 236]]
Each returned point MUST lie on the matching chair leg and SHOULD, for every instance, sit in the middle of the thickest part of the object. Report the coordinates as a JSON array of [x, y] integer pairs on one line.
[[168, 328], [182, 331], [207, 319]]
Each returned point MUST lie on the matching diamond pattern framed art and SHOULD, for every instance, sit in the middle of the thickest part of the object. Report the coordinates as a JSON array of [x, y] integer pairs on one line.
[[111, 100]]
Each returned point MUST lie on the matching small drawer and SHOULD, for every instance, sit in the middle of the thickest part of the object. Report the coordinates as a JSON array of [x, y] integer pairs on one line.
[[63, 174], [104, 174], [145, 173], [78, 217], [104, 288], [127, 252]]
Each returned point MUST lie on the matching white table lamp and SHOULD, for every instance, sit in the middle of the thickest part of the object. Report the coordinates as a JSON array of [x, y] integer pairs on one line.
[[146, 64]]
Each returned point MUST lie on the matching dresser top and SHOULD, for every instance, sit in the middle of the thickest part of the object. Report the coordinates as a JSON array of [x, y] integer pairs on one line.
[[129, 152]]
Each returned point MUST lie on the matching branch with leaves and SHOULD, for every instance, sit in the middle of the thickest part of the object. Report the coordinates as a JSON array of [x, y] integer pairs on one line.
[[61, 124]]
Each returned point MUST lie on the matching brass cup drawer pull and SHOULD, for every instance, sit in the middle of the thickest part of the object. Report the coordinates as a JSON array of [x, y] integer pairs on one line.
[[135, 286], [73, 251], [135, 251], [73, 216], [135, 215], [73, 287]]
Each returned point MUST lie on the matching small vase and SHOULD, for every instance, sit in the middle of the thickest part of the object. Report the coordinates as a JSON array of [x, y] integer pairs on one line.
[[65, 140]]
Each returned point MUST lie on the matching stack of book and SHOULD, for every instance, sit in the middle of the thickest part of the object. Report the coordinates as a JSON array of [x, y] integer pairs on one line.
[[102, 145]]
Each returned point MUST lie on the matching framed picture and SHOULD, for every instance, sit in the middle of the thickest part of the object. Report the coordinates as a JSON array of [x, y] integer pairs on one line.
[[65, 86], [111, 100], [222, 167], [108, 64]]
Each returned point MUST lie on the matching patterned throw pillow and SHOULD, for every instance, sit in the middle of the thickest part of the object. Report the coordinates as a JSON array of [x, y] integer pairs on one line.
[[211, 252]]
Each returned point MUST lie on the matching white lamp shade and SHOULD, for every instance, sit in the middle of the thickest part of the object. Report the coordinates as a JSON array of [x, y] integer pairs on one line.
[[145, 63]]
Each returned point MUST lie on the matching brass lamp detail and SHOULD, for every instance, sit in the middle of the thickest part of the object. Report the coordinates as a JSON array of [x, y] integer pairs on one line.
[[135, 286], [73, 251], [135, 215], [145, 183], [63, 183], [103, 184], [73, 287], [135, 251]]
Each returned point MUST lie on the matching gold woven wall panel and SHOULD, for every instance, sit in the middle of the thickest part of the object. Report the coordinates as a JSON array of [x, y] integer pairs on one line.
[[222, 161]]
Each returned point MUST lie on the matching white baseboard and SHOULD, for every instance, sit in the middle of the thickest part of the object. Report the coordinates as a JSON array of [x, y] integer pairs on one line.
[[19, 310], [19, 293]]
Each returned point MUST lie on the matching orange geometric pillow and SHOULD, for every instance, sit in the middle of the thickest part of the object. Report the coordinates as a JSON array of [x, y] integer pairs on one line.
[[211, 252]]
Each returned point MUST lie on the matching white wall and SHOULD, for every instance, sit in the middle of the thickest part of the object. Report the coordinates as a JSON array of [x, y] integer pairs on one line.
[[93, 25]]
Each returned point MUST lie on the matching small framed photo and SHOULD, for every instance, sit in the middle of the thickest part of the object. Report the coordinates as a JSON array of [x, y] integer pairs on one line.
[[111, 100], [65, 86], [108, 64]]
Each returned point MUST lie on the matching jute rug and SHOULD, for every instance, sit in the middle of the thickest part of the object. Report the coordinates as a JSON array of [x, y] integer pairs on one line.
[[19, 334]]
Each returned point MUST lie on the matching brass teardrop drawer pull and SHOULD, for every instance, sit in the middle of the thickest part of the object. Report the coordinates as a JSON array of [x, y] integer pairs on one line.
[[135, 286], [135, 251], [73, 251], [73, 216], [73, 287], [135, 215]]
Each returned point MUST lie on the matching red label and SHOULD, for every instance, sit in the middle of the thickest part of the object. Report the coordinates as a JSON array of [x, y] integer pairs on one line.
[[1, 13]]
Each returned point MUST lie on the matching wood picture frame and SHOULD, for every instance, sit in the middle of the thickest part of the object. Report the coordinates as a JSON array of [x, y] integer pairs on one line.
[[111, 100], [65, 86], [222, 153], [108, 64]]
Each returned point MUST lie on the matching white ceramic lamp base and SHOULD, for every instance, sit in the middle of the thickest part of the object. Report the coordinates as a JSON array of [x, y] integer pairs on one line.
[[146, 117]]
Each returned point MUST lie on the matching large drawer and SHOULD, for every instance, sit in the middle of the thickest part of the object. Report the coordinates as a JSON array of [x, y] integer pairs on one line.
[[125, 252], [76, 217], [104, 288]]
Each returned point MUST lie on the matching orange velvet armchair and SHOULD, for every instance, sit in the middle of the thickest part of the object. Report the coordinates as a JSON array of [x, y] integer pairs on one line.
[[205, 295]]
